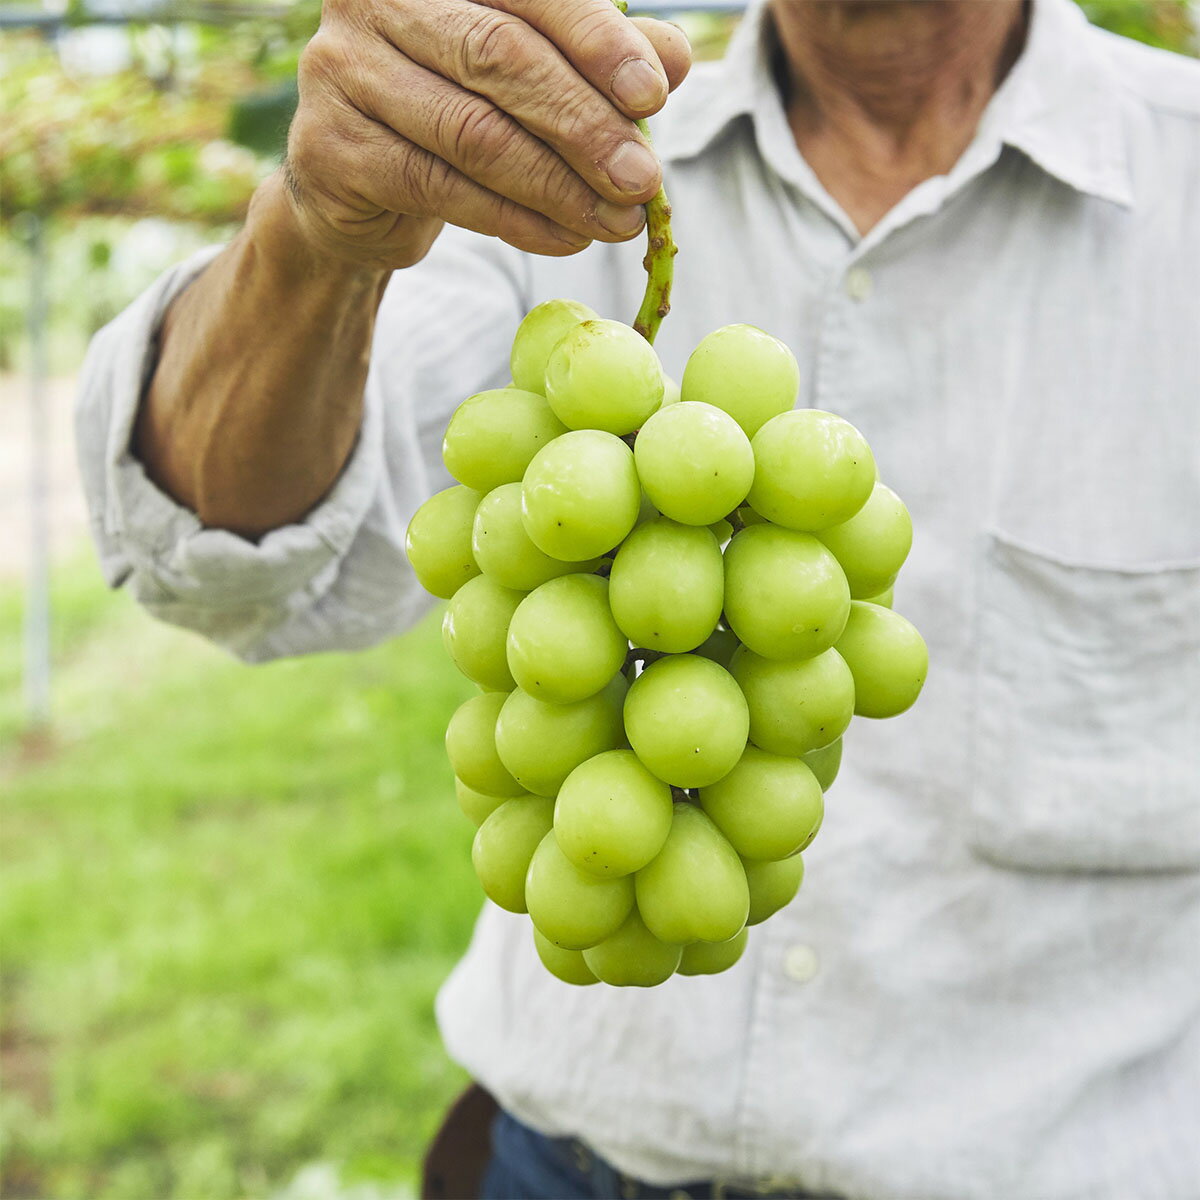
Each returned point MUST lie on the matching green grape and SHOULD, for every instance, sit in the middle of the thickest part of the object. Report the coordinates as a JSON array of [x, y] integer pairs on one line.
[[747, 516], [475, 631], [603, 375], [580, 496], [571, 907], [493, 436], [563, 644], [503, 549], [767, 806], [748, 373], [720, 646], [824, 763], [633, 956], [438, 542], [543, 328], [476, 806], [471, 746], [567, 965], [772, 886], [541, 744], [670, 391], [504, 845], [885, 599], [887, 657], [666, 585], [795, 707], [722, 531], [694, 462], [612, 816], [811, 470], [812, 833], [785, 595], [873, 544], [687, 720], [694, 890], [711, 958]]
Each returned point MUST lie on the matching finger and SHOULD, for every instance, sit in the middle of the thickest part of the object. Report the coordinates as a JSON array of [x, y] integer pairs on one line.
[[612, 53], [499, 56], [671, 45], [484, 144], [395, 175]]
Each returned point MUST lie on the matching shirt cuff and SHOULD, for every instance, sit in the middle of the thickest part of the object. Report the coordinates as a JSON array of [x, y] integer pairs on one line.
[[228, 587]]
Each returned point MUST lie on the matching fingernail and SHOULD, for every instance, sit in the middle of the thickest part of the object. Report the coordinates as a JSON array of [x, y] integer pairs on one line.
[[633, 168], [622, 219], [637, 85]]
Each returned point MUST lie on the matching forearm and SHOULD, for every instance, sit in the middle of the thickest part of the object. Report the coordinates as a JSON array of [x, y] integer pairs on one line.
[[256, 400]]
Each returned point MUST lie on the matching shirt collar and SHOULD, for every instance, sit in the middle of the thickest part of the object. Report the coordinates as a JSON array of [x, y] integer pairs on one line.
[[1059, 105]]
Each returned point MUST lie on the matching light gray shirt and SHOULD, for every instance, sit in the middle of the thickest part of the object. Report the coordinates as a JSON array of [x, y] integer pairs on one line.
[[989, 986]]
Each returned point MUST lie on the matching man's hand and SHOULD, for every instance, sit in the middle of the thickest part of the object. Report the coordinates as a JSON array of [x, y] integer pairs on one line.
[[513, 118]]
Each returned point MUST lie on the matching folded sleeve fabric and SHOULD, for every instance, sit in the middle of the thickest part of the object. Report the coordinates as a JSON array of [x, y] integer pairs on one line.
[[337, 579]]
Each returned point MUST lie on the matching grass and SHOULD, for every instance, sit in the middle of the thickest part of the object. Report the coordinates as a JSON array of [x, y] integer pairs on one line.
[[228, 897]]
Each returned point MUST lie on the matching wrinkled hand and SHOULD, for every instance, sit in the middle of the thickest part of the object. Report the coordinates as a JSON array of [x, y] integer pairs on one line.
[[513, 118]]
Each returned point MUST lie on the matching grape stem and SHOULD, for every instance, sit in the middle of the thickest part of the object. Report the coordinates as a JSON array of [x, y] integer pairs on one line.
[[659, 262], [660, 254]]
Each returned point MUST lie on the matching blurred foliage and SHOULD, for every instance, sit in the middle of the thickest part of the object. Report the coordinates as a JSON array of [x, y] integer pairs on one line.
[[1168, 24], [227, 897], [120, 143]]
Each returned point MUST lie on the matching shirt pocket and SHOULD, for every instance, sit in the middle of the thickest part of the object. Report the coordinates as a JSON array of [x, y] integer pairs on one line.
[[1085, 748]]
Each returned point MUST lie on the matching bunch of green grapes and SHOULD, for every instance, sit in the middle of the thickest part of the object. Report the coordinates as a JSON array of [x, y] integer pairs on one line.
[[673, 600]]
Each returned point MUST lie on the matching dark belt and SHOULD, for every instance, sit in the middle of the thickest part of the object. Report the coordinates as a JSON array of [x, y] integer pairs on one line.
[[460, 1152]]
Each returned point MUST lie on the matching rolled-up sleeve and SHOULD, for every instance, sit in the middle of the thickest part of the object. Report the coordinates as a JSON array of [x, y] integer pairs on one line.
[[337, 579]]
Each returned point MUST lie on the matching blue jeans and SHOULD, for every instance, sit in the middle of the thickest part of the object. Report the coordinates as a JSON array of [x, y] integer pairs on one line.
[[527, 1165]]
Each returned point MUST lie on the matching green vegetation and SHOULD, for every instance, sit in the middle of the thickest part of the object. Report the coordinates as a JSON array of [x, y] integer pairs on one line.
[[228, 896]]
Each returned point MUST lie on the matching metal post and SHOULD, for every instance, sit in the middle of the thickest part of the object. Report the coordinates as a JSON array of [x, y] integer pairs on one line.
[[37, 610]]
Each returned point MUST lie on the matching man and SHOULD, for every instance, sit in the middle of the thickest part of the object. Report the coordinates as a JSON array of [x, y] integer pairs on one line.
[[978, 226]]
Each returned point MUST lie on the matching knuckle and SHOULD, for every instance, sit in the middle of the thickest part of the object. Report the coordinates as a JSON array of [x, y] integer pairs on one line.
[[316, 59], [479, 136], [416, 180], [494, 44]]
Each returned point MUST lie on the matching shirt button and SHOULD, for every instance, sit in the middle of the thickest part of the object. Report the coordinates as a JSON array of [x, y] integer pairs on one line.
[[859, 284], [800, 963]]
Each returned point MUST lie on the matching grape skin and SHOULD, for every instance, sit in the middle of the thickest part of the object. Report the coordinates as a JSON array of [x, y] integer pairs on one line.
[[475, 631], [667, 585], [504, 845], [602, 375], [542, 328], [686, 720], [563, 644], [572, 908], [580, 496], [493, 436], [471, 746], [633, 956], [695, 463], [795, 707], [540, 744], [711, 958], [887, 657], [785, 595], [695, 888], [767, 807], [811, 470], [503, 550], [745, 371], [567, 965], [612, 815], [438, 541]]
